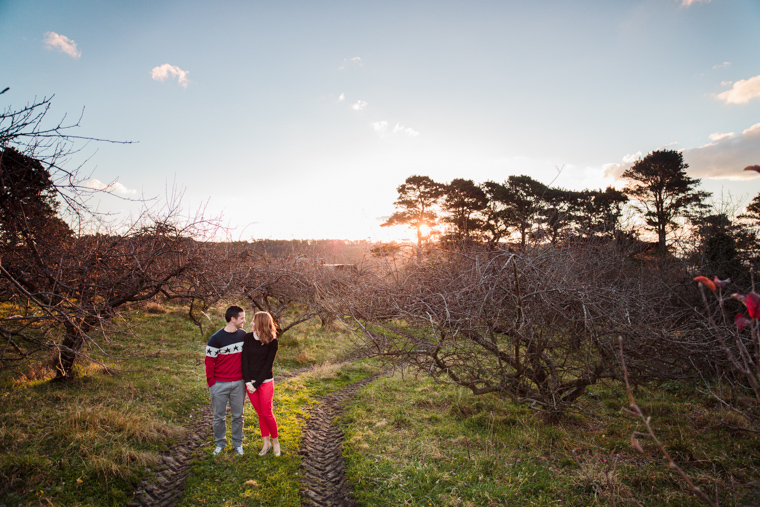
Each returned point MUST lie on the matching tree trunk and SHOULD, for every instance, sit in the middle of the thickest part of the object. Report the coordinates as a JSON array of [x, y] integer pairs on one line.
[[662, 245], [71, 345]]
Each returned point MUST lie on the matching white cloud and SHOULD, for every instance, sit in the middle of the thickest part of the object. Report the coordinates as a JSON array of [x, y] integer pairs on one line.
[[360, 105], [720, 65], [357, 61], [342, 97], [716, 137], [687, 3], [726, 83], [616, 169], [382, 128], [114, 187], [725, 157], [162, 72], [405, 130], [62, 43], [742, 92]]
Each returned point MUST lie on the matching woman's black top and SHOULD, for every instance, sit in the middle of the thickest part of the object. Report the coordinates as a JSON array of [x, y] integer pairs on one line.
[[258, 360]]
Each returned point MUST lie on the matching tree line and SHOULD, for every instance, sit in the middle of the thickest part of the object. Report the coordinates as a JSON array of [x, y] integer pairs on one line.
[[659, 195]]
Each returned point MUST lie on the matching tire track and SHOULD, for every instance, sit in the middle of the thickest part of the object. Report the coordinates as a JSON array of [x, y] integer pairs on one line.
[[166, 486], [324, 480]]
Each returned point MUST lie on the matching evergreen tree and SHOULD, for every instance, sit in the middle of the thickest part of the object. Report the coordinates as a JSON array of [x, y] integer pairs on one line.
[[664, 192], [418, 198]]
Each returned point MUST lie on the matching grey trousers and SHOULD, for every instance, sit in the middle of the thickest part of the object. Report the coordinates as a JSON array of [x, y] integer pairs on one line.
[[234, 393]]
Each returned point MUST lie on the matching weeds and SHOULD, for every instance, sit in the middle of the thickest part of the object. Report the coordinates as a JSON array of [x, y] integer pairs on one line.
[[413, 442]]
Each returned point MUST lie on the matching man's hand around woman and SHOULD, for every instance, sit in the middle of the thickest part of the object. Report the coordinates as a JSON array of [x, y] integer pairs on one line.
[[249, 386]]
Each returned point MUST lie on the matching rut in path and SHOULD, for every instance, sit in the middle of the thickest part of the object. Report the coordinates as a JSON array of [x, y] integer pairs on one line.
[[324, 480], [166, 487]]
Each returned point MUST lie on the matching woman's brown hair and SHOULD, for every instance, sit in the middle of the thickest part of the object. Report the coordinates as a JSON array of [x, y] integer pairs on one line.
[[263, 326]]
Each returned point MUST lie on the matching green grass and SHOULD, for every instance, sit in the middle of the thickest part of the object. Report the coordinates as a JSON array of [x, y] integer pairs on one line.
[[412, 442], [409, 441], [232, 480], [90, 440]]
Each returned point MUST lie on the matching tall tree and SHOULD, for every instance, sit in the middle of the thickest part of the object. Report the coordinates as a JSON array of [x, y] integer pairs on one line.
[[752, 213], [664, 192], [464, 203], [495, 216], [562, 210], [601, 211], [523, 202], [418, 198]]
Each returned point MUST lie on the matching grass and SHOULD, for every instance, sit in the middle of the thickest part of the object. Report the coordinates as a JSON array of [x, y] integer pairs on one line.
[[412, 442], [409, 441], [90, 440], [231, 480]]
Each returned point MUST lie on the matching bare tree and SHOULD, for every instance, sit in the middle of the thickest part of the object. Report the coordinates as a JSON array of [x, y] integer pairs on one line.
[[62, 282], [537, 327]]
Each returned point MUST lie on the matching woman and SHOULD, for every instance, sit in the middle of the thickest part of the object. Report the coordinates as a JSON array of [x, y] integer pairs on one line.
[[259, 351]]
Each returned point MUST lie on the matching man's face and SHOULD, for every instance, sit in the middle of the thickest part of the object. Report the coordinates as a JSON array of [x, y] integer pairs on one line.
[[239, 320]]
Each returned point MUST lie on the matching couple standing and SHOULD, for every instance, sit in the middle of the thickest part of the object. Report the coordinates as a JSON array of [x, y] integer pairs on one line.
[[237, 361]]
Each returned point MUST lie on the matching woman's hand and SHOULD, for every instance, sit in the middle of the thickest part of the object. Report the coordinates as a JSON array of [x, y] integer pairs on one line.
[[249, 386]]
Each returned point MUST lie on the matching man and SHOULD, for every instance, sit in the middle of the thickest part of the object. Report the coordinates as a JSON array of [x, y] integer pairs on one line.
[[224, 375]]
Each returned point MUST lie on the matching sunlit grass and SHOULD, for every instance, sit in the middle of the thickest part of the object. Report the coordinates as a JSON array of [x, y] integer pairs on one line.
[[232, 480], [412, 442], [90, 440]]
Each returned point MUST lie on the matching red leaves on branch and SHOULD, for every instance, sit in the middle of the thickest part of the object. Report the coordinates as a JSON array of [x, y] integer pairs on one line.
[[752, 302], [753, 305], [706, 282], [741, 321]]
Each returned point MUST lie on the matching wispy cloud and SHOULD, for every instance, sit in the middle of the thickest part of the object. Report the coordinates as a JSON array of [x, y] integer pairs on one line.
[[355, 61], [721, 65], [380, 126], [687, 3], [400, 129], [62, 43], [742, 91], [342, 97], [383, 128], [162, 72], [359, 105], [114, 187]]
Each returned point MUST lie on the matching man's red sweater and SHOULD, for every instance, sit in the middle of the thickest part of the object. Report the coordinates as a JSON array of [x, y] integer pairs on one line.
[[223, 357]]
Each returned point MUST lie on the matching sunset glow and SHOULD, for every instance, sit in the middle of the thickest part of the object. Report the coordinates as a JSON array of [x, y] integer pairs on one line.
[[300, 120]]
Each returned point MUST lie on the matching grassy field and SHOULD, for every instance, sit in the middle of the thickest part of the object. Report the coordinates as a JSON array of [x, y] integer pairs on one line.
[[90, 440], [409, 441]]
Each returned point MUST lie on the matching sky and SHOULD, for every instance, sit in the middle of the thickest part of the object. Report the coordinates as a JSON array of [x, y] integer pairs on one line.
[[299, 119]]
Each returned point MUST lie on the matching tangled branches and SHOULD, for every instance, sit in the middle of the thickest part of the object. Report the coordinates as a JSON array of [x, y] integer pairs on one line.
[[537, 326]]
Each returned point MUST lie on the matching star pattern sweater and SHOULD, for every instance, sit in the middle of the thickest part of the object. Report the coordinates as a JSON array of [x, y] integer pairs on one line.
[[223, 354], [258, 360]]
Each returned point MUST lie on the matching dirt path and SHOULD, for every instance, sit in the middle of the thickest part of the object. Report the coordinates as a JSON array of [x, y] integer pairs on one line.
[[324, 480]]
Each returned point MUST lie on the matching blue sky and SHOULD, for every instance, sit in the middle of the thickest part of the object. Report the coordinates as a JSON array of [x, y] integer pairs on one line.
[[300, 119]]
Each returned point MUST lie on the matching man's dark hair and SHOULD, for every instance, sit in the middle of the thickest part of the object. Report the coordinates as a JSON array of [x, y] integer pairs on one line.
[[232, 312]]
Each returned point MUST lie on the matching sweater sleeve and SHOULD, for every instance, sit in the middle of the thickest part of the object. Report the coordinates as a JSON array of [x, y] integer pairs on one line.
[[267, 369], [246, 351], [210, 361]]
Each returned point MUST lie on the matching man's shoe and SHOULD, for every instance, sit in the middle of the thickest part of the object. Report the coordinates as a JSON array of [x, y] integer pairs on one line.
[[218, 450], [239, 450]]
